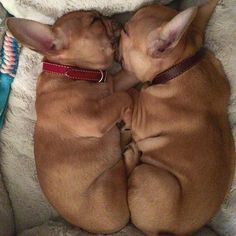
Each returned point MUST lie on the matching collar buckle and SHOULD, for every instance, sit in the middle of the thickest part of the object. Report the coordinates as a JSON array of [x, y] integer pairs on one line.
[[103, 76]]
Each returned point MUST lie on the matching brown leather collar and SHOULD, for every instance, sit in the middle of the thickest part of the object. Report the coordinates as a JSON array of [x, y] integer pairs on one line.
[[180, 68]]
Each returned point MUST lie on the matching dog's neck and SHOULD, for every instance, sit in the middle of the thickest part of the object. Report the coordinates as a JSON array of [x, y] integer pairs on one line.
[[185, 49], [75, 73], [179, 68]]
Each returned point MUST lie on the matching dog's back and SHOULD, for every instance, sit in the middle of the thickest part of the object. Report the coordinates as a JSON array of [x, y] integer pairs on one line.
[[77, 145], [182, 129]]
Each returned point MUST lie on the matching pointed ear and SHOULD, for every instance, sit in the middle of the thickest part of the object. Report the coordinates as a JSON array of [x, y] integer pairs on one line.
[[204, 14], [168, 36], [35, 35]]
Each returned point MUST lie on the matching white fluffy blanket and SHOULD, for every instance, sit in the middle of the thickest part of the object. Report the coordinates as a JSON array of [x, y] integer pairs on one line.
[[30, 208], [48, 10]]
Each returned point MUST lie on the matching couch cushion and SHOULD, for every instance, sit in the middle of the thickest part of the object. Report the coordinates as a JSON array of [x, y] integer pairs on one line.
[[30, 207], [6, 214], [55, 228]]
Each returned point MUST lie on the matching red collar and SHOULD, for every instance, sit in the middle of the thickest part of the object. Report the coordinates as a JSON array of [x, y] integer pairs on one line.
[[75, 73], [180, 68]]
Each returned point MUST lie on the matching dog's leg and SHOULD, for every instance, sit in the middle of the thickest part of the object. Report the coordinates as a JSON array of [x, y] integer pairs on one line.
[[131, 157], [153, 197], [97, 118], [111, 110], [105, 207], [124, 81]]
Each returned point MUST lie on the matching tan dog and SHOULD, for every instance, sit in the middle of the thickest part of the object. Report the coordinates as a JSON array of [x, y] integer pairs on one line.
[[181, 127], [77, 145]]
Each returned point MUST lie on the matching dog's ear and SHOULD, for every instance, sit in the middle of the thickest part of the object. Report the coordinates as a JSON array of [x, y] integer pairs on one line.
[[168, 36], [35, 35], [204, 14]]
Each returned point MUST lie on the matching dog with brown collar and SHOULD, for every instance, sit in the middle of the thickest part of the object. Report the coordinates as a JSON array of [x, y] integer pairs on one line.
[[179, 124], [77, 144]]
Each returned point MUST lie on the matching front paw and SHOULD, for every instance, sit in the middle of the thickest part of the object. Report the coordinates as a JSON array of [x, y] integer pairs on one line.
[[131, 157]]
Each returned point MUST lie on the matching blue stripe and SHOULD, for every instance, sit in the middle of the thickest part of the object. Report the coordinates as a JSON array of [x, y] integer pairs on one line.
[[6, 80]]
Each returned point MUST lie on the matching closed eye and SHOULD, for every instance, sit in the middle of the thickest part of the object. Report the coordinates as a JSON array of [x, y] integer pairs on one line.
[[125, 31], [95, 19], [122, 62]]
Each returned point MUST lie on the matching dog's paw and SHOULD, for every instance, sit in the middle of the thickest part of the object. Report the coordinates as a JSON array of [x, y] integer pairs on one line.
[[131, 157]]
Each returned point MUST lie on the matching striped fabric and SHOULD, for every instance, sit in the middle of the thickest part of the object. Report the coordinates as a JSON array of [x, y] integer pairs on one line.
[[9, 58]]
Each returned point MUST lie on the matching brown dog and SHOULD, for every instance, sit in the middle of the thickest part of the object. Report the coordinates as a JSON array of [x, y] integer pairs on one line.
[[77, 145], [181, 126]]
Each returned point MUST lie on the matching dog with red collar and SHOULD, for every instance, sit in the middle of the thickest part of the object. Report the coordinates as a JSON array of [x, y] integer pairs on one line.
[[77, 144]]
